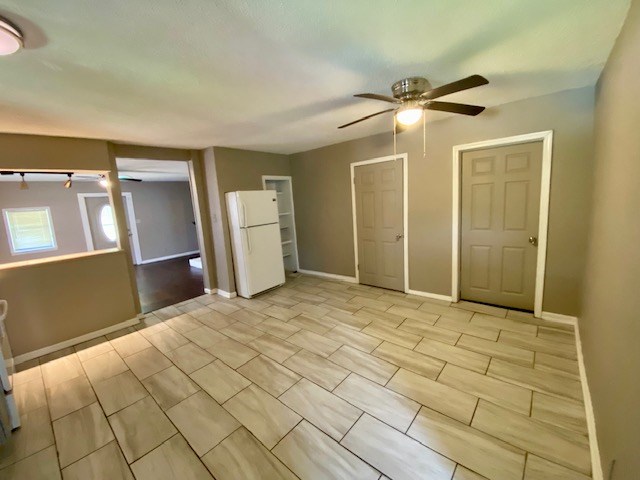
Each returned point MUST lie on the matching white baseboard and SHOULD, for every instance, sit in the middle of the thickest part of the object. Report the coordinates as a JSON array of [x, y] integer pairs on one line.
[[74, 341], [210, 290], [596, 465], [168, 257], [559, 318], [224, 294], [332, 276], [436, 296]]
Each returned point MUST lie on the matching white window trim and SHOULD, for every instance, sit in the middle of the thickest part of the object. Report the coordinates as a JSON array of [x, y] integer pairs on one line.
[[5, 216]]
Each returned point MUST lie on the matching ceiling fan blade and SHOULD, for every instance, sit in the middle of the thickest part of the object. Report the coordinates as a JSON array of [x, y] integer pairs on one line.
[[375, 96], [462, 108], [367, 117], [453, 87]]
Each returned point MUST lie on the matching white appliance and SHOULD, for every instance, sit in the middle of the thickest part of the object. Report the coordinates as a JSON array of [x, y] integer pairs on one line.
[[256, 242], [9, 418]]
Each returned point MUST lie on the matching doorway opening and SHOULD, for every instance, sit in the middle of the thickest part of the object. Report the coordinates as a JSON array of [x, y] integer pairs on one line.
[[162, 229], [500, 220], [379, 193]]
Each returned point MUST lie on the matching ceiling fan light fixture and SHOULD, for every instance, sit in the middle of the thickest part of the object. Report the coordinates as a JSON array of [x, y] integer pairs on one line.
[[409, 115], [10, 38]]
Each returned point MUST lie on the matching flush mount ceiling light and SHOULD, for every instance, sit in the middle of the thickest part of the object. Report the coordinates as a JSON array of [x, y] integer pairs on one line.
[[11, 39]]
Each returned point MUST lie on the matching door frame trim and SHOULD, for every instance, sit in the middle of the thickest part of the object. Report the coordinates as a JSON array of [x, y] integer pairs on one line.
[[405, 217], [84, 217], [543, 224]]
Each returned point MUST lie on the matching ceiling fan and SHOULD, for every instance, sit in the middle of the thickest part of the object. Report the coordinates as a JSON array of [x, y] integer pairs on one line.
[[413, 95], [123, 178], [104, 182]]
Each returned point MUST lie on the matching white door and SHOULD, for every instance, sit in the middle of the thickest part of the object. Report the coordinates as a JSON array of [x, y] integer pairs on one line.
[[263, 265], [99, 223], [259, 207]]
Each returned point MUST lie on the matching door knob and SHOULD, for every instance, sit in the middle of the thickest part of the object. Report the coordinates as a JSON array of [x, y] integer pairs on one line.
[[399, 236], [533, 241]]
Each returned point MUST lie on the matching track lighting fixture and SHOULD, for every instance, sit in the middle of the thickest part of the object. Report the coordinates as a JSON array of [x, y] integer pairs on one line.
[[23, 184], [69, 182], [103, 182]]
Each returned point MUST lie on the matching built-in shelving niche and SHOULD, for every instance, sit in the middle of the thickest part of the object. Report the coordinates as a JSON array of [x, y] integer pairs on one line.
[[286, 215]]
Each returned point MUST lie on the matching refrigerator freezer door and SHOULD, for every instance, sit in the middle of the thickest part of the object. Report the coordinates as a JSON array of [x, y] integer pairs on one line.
[[263, 266], [259, 207]]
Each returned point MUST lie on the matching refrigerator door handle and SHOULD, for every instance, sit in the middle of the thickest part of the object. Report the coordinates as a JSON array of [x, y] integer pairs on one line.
[[4, 308], [248, 231], [243, 209]]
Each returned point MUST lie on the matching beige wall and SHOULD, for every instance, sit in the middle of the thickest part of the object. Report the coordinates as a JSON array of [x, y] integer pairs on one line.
[[322, 193], [35, 152], [610, 320], [56, 301], [229, 170]]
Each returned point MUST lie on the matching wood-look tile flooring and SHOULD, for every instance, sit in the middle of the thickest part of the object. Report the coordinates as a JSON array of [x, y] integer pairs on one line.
[[167, 282], [315, 380]]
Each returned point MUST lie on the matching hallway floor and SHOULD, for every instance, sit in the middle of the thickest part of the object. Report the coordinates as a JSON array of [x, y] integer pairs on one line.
[[165, 283], [315, 380]]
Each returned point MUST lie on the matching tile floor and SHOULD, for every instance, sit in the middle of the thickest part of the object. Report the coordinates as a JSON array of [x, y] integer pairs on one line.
[[315, 380]]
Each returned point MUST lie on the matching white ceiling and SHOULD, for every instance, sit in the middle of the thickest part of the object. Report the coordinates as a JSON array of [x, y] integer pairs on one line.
[[278, 75], [153, 170]]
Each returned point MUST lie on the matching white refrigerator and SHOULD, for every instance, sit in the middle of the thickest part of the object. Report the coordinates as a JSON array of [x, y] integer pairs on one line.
[[255, 241]]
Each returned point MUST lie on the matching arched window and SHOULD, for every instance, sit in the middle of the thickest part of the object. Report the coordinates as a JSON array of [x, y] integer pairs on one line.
[[107, 223]]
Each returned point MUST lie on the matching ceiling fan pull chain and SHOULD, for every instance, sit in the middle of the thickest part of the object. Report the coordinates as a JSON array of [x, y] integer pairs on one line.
[[424, 134], [394, 139]]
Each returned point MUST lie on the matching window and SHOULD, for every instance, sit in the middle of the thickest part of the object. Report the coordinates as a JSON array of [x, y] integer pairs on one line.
[[107, 223], [30, 230]]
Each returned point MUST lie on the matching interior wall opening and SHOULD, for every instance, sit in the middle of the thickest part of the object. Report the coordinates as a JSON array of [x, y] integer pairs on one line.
[[162, 231], [42, 219]]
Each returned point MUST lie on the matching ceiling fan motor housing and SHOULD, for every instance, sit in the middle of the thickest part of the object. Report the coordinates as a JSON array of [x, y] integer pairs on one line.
[[410, 88]]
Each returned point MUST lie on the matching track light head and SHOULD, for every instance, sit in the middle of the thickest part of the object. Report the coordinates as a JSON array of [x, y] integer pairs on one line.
[[23, 184], [69, 182]]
